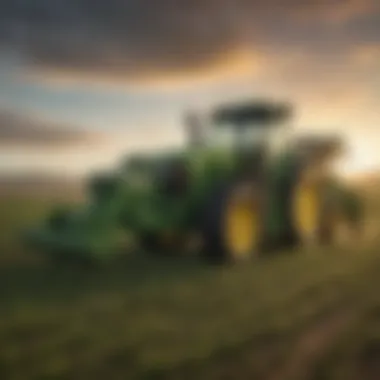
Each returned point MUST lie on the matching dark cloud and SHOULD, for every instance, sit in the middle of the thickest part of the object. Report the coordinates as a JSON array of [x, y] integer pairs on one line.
[[25, 131], [150, 37]]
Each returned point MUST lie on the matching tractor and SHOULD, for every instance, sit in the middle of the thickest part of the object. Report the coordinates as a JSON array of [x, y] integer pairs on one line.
[[244, 186]]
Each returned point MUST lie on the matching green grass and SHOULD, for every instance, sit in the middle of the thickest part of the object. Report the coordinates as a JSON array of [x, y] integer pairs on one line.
[[176, 319]]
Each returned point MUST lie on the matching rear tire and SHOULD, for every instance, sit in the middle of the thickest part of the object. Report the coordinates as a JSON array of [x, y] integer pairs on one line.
[[342, 217], [331, 222]]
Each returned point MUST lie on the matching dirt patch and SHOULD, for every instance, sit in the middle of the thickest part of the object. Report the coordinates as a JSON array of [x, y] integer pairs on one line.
[[276, 358], [369, 361], [311, 345]]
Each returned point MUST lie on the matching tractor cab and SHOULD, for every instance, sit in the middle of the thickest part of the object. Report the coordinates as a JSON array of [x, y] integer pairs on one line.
[[242, 126], [253, 131]]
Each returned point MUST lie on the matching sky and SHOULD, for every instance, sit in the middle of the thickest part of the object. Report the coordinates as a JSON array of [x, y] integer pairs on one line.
[[84, 81]]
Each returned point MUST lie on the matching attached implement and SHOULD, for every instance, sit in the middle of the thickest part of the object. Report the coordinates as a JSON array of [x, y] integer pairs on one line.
[[244, 186]]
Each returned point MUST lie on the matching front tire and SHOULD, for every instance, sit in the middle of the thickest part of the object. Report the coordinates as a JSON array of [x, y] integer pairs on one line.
[[232, 225]]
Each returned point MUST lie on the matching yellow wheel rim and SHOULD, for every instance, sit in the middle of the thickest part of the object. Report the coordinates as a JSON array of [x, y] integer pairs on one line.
[[307, 210], [241, 227]]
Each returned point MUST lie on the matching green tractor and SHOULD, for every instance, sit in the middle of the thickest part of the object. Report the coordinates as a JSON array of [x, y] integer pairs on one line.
[[244, 186]]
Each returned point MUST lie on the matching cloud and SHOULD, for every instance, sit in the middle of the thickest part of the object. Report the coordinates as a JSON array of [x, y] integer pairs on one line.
[[148, 39], [21, 131], [366, 55], [336, 12], [232, 66]]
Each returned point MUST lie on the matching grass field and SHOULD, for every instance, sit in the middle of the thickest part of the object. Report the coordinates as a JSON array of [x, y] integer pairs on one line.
[[313, 314]]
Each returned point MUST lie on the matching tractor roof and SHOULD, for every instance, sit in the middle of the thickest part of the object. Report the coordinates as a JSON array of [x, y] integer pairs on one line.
[[262, 112]]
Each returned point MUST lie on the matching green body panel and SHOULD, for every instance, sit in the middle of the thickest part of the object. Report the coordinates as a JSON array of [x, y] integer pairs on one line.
[[92, 231], [280, 173], [98, 229], [146, 209]]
